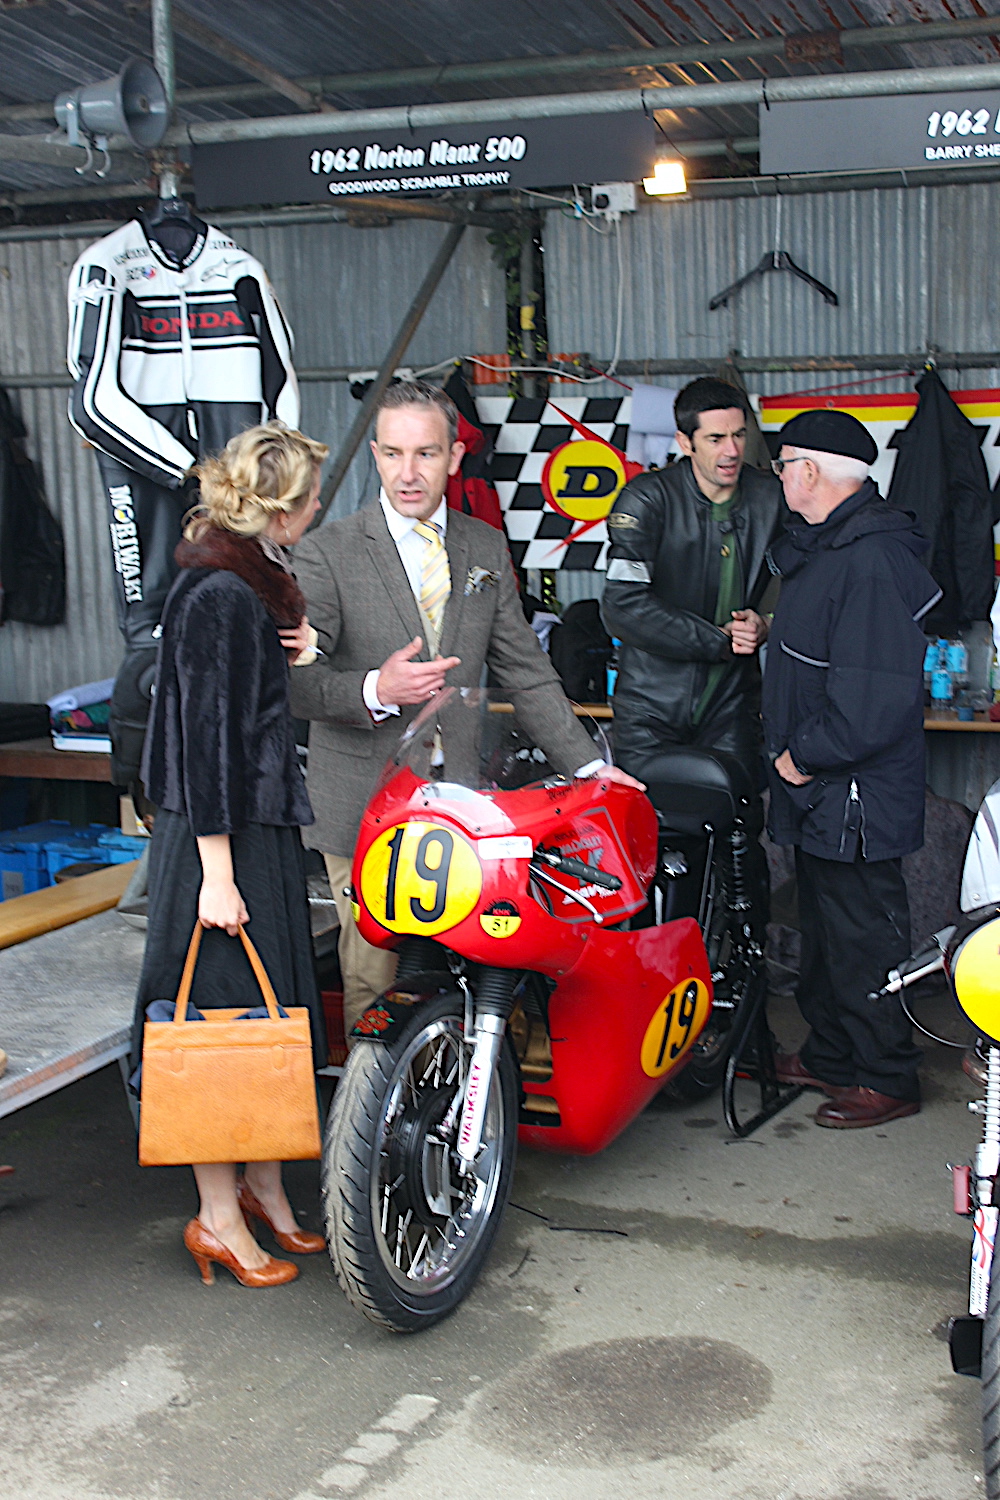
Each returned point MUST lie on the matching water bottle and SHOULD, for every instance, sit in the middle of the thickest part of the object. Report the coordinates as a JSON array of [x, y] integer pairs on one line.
[[941, 687], [930, 662], [612, 668], [957, 662]]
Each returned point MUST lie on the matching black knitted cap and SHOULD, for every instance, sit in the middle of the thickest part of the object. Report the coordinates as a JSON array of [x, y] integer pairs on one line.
[[830, 432]]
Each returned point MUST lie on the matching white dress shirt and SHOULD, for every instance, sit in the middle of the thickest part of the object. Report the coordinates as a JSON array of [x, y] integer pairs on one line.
[[411, 549]]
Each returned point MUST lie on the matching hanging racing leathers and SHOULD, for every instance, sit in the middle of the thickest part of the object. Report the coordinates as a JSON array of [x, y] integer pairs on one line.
[[170, 361]]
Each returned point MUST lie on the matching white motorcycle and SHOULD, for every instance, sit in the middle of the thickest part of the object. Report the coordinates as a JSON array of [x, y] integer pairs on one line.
[[969, 955]]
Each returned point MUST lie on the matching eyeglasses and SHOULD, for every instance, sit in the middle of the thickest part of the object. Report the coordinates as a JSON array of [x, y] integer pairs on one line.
[[777, 464]]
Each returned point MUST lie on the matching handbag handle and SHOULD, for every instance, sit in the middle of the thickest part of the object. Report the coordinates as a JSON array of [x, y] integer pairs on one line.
[[187, 977]]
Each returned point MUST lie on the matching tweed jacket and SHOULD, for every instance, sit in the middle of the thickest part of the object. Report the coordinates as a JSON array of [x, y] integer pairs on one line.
[[359, 599]]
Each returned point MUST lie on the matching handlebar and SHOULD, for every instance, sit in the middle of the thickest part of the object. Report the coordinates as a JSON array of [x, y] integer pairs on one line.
[[927, 960], [569, 866]]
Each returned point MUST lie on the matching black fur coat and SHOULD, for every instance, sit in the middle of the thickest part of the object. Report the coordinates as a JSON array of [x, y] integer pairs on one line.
[[219, 747]]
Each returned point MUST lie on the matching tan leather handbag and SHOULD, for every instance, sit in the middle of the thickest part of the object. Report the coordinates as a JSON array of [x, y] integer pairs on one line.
[[227, 1090]]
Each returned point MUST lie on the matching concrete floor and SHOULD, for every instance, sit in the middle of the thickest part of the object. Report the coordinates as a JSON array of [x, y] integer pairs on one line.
[[764, 1322]]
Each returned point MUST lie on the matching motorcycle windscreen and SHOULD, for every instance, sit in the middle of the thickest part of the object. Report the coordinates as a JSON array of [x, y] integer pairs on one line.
[[981, 873], [472, 742]]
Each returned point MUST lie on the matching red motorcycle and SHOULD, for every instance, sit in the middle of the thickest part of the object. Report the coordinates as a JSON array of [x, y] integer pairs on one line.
[[524, 1006]]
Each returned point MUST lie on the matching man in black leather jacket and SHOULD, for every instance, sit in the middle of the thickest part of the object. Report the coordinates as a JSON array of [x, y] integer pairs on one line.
[[686, 571]]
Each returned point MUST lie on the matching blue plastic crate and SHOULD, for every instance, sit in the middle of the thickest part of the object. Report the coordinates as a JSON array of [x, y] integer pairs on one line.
[[97, 844], [30, 857], [24, 863], [118, 848]]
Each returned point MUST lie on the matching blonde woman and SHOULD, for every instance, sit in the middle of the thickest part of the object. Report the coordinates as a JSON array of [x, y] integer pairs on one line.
[[220, 766]]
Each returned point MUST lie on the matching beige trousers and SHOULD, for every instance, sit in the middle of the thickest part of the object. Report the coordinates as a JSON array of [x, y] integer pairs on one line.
[[367, 971]]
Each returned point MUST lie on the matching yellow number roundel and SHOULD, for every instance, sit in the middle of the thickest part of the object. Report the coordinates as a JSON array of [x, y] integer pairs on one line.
[[976, 977], [583, 479], [420, 878], [676, 1022]]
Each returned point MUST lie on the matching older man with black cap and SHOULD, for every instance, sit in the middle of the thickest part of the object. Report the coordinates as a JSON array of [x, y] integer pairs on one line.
[[843, 723]]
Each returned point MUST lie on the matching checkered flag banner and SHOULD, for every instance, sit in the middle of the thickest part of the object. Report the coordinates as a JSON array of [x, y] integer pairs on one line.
[[523, 433]]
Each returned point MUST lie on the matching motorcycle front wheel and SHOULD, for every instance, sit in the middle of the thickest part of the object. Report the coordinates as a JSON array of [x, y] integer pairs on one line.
[[408, 1231], [990, 1379]]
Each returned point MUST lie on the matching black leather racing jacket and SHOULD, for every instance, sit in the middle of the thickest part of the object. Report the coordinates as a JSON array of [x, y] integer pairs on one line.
[[661, 593]]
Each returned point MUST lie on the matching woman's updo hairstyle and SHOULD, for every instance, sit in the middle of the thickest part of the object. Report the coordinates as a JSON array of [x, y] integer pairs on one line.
[[259, 473]]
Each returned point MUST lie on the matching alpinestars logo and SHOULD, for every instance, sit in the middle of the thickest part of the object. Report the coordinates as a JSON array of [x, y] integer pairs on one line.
[[125, 542]]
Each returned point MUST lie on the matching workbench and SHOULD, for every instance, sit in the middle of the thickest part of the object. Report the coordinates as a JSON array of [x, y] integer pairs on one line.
[[39, 759], [963, 756], [66, 1001]]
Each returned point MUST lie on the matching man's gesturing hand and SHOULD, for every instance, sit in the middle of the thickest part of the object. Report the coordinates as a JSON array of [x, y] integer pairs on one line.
[[403, 680], [747, 631]]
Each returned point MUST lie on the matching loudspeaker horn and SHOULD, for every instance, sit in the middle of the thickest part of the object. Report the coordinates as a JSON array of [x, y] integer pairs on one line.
[[133, 103]]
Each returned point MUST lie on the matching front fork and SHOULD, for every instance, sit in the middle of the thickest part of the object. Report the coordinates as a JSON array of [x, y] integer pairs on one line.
[[986, 1214], [486, 1020]]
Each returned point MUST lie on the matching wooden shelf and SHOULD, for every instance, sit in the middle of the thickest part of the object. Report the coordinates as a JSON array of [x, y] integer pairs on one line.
[[981, 724], [40, 758]]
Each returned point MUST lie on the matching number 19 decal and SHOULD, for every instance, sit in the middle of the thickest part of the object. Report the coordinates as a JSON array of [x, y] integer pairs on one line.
[[676, 1022], [420, 878]]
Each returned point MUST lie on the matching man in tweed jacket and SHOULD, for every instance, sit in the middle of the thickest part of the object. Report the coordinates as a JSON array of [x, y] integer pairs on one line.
[[381, 662]]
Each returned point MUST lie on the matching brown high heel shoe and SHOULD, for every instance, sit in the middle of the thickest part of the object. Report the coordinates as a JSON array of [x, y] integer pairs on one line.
[[206, 1248], [301, 1242]]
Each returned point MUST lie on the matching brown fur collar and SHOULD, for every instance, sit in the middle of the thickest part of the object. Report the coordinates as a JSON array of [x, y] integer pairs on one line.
[[277, 590]]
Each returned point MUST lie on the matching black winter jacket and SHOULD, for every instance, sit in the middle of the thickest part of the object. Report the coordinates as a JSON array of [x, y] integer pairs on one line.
[[940, 475], [220, 748], [660, 599], [843, 681]]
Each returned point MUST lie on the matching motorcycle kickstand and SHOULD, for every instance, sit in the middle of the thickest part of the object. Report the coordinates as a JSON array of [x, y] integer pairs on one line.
[[752, 1057]]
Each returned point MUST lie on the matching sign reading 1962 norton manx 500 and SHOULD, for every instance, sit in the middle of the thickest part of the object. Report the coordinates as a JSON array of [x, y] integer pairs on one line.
[[500, 154], [908, 130]]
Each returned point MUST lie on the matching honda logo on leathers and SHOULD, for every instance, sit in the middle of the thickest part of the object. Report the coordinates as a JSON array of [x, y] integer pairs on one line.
[[196, 322]]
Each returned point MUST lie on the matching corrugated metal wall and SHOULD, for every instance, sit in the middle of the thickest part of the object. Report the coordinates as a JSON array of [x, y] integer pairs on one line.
[[344, 291], [911, 266]]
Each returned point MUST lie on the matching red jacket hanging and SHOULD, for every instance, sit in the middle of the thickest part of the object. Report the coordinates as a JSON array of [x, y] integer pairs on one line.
[[475, 497]]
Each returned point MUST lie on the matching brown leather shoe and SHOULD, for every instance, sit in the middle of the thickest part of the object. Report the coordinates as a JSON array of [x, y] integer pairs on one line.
[[858, 1107], [208, 1250], [299, 1242], [789, 1069]]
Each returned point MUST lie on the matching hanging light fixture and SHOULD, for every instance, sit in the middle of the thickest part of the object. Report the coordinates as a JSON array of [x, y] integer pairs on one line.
[[668, 177]]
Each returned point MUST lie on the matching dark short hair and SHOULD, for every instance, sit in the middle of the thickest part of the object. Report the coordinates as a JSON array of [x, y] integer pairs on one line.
[[706, 394], [419, 393]]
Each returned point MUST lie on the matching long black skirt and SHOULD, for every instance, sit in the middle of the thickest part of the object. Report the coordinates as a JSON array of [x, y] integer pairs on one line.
[[270, 874]]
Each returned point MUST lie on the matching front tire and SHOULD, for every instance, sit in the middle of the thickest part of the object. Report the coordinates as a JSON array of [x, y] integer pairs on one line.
[[408, 1233], [990, 1379]]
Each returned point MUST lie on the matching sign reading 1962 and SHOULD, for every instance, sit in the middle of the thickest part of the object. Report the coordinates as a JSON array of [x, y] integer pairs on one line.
[[491, 155], [902, 130], [969, 122]]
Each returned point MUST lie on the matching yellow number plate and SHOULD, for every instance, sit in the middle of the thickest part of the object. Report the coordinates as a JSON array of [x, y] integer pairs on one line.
[[420, 878], [676, 1021], [976, 977]]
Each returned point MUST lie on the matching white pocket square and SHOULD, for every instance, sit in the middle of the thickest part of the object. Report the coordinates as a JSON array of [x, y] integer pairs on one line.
[[478, 579]]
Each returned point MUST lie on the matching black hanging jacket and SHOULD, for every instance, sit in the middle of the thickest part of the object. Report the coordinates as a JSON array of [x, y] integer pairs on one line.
[[940, 475], [843, 681], [32, 562]]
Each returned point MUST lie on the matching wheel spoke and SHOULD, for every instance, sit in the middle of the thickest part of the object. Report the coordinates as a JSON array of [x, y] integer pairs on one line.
[[427, 1216], [402, 1225]]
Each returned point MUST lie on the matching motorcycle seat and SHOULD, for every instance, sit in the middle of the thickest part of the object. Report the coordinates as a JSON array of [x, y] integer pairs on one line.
[[690, 787]]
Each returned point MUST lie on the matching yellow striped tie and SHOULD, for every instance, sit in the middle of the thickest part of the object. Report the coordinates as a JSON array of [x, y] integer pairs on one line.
[[435, 576]]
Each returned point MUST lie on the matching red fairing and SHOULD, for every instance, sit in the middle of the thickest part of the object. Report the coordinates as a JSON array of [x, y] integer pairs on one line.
[[450, 863], [599, 1018]]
